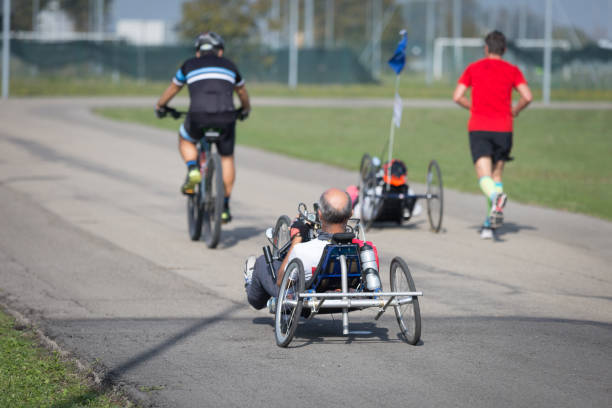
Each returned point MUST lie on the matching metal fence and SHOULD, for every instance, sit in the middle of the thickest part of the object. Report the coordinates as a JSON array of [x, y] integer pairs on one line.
[[348, 41]]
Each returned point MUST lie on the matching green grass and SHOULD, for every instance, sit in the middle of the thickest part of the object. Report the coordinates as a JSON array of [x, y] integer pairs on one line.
[[31, 376], [562, 157], [411, 86]]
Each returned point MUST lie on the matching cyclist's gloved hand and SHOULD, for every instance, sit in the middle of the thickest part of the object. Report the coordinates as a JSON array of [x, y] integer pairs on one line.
[[243, 114], [161, 112], [299, 227]]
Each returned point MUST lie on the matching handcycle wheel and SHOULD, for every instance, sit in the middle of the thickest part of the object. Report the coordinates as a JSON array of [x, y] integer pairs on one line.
[[281, 233], [369, 202], [214, 193], [409, 314], [435, 196], [366, 163], [195, 214], [289, 305]]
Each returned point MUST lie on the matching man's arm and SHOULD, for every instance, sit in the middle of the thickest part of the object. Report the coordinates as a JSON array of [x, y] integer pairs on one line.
[[459, 97], [168, 94], [243, 95], [524, 100], [281, 271]]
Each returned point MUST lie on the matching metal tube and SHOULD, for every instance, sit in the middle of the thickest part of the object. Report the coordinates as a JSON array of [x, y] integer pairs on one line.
[[344, 282], [384, 308], [339, 295], [354, 303], [6, 47], [293, 51], [547, 52]]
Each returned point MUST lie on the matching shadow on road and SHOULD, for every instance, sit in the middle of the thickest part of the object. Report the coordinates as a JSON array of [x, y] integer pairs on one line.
[[146, 355], [231, 237], [324, 331]]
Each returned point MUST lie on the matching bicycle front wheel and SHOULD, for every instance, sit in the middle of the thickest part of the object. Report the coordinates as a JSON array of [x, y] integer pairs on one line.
[[213, 200], [195, 214]]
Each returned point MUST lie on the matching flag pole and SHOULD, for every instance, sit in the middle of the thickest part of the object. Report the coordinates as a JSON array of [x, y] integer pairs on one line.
[[392, 131], [397, 63]]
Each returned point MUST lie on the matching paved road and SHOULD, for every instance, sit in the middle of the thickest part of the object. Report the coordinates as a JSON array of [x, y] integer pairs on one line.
[[93, 247]]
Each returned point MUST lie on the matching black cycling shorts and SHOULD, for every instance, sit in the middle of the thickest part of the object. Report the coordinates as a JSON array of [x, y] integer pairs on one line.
[[496, 145], [193, 131]]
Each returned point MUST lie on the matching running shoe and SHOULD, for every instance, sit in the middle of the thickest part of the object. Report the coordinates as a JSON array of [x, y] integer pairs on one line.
[[193, 178], [226, 216], [249, 267], [497, 210], [271, 305], [486, 233]]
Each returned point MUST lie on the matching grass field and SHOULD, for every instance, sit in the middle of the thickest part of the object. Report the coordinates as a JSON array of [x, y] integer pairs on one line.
[[411, 86], [562, 157], [31, 376]]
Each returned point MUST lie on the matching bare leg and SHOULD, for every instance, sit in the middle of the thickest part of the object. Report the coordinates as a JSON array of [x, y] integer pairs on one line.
[[498, 171], [229, 173], [188, 150], [483, 166]]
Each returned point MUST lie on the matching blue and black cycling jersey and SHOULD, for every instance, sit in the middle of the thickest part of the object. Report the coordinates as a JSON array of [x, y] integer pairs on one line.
[[211, 81]]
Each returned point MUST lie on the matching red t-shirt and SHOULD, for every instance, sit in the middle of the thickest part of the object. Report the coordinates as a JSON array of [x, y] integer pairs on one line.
[[492, 81]]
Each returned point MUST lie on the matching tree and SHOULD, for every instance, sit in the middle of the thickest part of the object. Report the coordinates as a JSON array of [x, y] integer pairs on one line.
[[235, 20], [79, 10]]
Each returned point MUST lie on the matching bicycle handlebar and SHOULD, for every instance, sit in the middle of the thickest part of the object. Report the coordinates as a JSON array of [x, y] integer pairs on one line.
[[176, 114]]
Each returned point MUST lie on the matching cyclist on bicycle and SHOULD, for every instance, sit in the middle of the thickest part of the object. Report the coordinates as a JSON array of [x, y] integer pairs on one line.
[[211, 79]]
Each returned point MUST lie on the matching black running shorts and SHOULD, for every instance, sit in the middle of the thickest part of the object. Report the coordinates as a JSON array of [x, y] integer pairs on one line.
[[193, 131], [496, 145]]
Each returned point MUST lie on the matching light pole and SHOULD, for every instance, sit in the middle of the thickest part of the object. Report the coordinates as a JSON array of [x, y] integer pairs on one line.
[[293, 51], [547, 52], [6, 47]]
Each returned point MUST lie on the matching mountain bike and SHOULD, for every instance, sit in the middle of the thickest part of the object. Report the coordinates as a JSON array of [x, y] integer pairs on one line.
[[205, 205]]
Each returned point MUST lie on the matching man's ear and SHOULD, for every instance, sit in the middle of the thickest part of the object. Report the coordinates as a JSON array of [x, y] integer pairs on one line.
[[198, 54], [220, 53]]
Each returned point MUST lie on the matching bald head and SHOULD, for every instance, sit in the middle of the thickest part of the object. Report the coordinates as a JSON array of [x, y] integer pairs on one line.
[[335, 206]]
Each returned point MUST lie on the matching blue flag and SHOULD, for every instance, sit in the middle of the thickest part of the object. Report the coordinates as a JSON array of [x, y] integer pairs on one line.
[[398, 60]]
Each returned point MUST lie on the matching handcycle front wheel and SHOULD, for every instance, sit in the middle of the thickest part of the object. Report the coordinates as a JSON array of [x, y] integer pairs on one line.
[[214, 192], [289, 305], [369, 201], [435, 196], [195, 214], [281, 233], [409, 314]]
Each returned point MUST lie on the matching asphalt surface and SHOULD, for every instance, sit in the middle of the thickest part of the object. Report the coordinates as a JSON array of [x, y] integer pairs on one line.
[[94, 248]]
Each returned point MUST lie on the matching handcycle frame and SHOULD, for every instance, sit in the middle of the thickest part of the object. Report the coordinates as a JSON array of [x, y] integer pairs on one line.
[[375, 193], [340, 259], [203, 208]]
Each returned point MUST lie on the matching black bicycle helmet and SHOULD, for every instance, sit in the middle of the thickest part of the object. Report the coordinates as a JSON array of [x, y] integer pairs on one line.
[[209, 41]]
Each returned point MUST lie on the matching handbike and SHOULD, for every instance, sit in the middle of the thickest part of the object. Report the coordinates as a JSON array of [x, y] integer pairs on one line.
[[380, 201], [205, 205], [340, 283]]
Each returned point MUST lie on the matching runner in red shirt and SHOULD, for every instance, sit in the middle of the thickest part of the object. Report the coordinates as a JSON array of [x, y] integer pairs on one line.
[[490, 126]]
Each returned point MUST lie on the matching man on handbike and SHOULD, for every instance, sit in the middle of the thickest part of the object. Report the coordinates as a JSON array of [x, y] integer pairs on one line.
[[335, 209], [211, 80]]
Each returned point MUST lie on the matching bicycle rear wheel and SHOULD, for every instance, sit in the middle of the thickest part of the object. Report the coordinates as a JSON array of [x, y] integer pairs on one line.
[[195, 214], [213, 200], [409, 314], [281, 233], [435, 196]]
